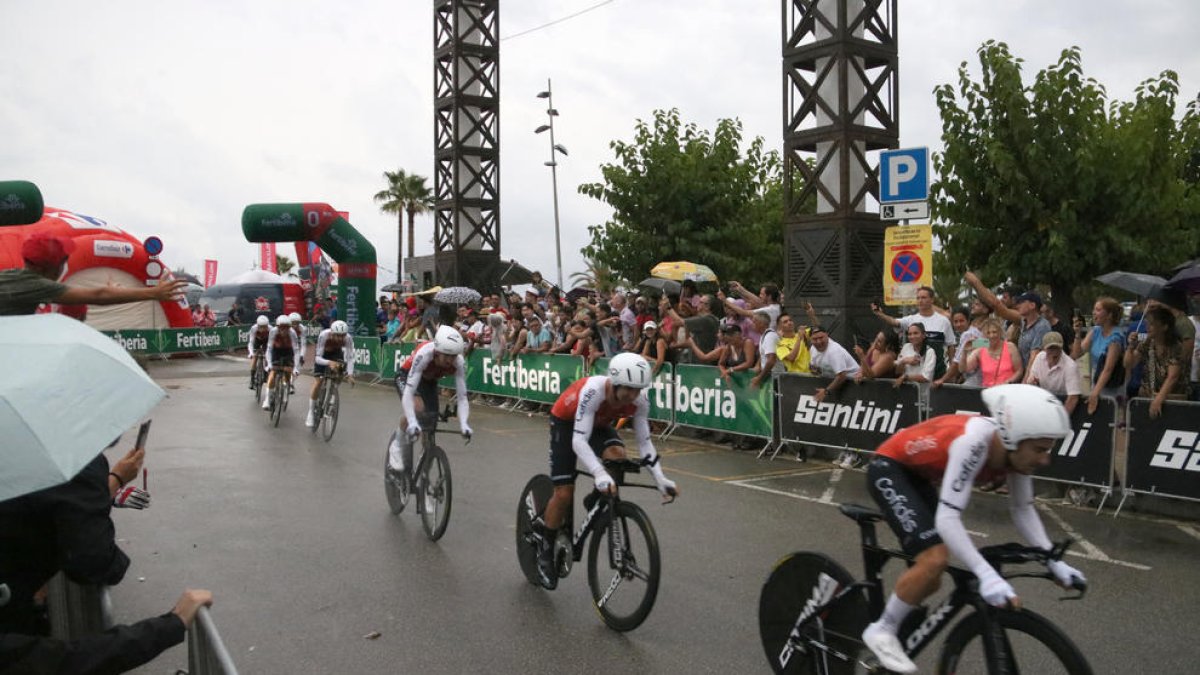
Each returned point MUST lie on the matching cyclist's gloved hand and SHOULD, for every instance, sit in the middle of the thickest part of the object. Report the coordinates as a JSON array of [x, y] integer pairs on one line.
[[995, 590], [295, 373], [466, 430], [665, 485], [604, 482], [131, 497], [1064, 573], [414, 430]]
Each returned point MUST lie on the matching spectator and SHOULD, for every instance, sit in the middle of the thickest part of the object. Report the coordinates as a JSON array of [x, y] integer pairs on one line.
[[1054, 372], [394, 325], [652, 346], [23, 289], [970, 338], [541, 287], [1000, 361], [939, 333], [1172, 301], [917, 358], [793, 351], [413, 331], [535, 338], [701, 327], [689, 299], [1057, 325], [643, 312], [1164, 356], [628, 320], [472, 328], [1104, 345], [767, 300], [495, 306], [830, 360], [768, 359], [880, 359], [1026, 315], [116, 650], [608, 328], [1194, 381], [236, 316], [498, 342], [672, 329], [734, 353], [323, 317]]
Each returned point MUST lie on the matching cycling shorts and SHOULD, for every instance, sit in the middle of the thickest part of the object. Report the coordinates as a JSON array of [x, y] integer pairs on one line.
[[320, 368], [562, 452], [282, 357], [908, 502], [426, 390]]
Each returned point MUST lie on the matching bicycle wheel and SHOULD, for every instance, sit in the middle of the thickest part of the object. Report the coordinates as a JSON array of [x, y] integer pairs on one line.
[[278, 392], [256, 382], [434, 489], [394, 486], [329, 412], [1035, 645], [624, 575], [318, 407], [533, 502], [799, 584]]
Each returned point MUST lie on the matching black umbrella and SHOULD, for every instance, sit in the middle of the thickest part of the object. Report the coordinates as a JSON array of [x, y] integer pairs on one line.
[[1138, 284], [662, 286], [576, 293], [1187, 279]]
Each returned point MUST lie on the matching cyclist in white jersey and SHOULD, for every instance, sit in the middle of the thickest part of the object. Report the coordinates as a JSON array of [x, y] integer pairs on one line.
[[281, 349], [418, 376], [335, 351]]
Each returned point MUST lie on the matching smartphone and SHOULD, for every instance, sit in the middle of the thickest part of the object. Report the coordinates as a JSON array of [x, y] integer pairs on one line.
[[980, 343], [143, 432]]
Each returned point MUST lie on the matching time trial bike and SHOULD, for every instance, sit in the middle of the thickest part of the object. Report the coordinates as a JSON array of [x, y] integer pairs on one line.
[[329, 401], [257, 375], [812, 612], [429, 479], [279, 393]]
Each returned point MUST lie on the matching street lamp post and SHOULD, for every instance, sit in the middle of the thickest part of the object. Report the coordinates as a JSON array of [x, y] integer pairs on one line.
[[551, 113]]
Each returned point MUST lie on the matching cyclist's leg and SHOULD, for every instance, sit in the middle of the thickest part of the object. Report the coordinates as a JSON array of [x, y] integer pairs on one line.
[[909, 504], [266, 401], [562, 473], [318, 377]]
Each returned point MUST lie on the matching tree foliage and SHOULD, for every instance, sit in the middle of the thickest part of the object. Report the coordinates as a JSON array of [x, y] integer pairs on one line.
[[1050, 183], [285, 265], [405, 194], [597, 276], [682, 193]]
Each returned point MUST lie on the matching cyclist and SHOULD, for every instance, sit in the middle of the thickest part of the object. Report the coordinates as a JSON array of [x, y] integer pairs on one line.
[[257, 344], [301, 332], [418, 377], [1017, 438], [335, 351], [281, 350], [582, 427]]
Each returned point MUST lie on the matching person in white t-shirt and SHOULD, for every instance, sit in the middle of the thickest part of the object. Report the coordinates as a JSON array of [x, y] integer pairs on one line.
[[938, 330], [768, 300], [768, 360], [830, 359]]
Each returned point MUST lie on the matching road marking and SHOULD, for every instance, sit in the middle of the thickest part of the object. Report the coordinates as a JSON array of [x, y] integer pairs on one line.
[[1090, 550], [835, 477], [1189, 530]]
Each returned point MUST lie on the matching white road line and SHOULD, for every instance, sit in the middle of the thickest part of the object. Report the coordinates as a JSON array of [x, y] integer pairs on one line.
[[1189, 530], [1090, 550], [835, 477]]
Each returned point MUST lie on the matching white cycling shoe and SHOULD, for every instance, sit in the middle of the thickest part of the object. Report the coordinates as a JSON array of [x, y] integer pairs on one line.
[[310, 420], [886, 647]]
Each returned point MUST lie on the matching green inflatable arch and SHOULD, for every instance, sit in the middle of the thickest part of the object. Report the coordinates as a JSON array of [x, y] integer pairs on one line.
[[20, 203], [320, 223]]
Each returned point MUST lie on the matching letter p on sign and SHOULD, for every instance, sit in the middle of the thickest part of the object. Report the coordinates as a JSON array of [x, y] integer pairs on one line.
[[904, 175]]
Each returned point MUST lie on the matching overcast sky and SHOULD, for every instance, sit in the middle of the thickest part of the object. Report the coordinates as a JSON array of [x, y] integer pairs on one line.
[[168, 118]]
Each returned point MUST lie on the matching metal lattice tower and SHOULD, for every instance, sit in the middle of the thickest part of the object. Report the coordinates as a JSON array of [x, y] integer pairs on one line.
[[841, 101], [466, 130]]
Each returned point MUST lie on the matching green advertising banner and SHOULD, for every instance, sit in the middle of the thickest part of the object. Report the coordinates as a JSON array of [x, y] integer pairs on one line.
[[659, 394], [367, 355], [181, 340], [702, 398], [391, 357], [533, 377]]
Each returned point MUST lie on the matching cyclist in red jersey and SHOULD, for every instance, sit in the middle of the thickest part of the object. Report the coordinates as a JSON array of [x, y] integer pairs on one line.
[[581, 428], [957, 451], [418, 376]]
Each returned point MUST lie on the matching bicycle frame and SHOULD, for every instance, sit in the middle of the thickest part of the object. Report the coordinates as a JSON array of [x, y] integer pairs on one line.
[[605, 503]]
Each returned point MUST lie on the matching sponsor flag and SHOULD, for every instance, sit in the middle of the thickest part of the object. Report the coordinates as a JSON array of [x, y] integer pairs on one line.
[[268, 264], [210, 273]]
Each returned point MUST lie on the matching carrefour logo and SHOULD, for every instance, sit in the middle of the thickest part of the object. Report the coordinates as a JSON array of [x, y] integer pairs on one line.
[[103, 248]]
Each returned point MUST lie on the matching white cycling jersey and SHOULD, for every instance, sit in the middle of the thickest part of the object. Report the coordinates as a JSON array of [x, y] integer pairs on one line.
[[418, 363], [347, 351], [589, 404], [271, 345]]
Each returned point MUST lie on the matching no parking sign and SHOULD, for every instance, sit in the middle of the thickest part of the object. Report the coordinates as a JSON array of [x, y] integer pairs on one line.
[[907, 262]]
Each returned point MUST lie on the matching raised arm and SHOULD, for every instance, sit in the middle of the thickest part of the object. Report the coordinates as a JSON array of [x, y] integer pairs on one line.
[[989, 298]]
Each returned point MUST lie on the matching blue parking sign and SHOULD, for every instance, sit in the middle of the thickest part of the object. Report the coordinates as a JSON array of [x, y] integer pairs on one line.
[[904, 175]]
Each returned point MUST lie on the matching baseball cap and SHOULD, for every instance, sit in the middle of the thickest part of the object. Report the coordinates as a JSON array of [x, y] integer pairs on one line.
[[1030, 296], [1052, 339], [46, 249], [649, 325]]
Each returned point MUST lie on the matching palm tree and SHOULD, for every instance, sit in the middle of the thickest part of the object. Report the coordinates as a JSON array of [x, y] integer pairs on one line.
[[285, 265], [409, 194], [597, 276]]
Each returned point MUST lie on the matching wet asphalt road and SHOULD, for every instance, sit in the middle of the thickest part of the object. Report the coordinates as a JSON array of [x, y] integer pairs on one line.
[[294, 537]]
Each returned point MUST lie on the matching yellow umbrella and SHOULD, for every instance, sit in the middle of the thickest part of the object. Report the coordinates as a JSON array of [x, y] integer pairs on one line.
[[683, 271]]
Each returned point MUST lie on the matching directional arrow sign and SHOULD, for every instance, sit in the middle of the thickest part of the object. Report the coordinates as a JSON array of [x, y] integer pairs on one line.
[[904, 210]]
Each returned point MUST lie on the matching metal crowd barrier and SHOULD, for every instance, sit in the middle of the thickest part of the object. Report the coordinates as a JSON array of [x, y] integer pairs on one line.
[[1163, 454], [207, 654]]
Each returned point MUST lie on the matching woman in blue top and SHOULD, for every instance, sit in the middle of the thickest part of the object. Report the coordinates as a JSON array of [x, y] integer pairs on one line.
[[1105, 345]]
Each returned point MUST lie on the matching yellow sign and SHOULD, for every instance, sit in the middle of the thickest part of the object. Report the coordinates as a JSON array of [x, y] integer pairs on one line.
[[907, 262]]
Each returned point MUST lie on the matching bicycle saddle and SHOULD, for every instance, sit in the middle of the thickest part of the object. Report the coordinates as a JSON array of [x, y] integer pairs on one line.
[[860, 514]]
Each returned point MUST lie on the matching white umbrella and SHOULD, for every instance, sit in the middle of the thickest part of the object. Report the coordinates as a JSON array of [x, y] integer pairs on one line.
[[457, 295], [66, 393]]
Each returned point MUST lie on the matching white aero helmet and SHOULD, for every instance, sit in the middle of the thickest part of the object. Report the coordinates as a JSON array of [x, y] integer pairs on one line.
[[262, 320], [283, 320], [339, 327], [629, 370], [448, 341], [295, 317], [1024, 411]]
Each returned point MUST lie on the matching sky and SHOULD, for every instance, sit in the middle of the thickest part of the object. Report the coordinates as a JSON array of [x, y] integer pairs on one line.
[[168, 118]]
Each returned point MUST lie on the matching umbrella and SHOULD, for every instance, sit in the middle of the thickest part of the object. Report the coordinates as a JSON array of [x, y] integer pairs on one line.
[[67, 393], [427, 291], [393, 288], [683, 271], [1138, 284], [576, 293], [662, 286], [1187, 279], [457, 295]]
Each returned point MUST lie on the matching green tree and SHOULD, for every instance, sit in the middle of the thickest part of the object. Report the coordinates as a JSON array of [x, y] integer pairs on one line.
[[405, 194], [1049, 183], [682, 193], [597, 276]]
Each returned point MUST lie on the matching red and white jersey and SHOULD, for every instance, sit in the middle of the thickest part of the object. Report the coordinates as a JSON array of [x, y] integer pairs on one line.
[[420, 367], [585, 402], [258, 339], [326, 350], [925, 448]]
